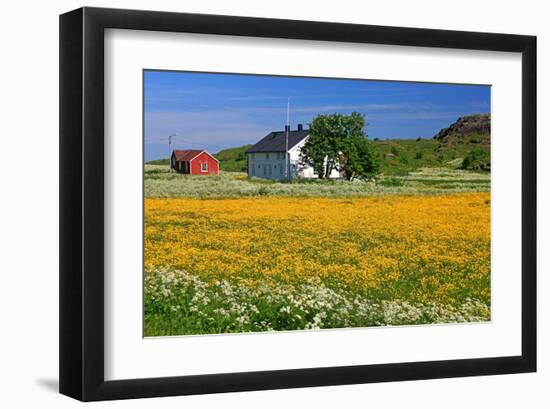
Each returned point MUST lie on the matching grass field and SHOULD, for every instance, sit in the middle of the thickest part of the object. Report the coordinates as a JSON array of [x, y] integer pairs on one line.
[[231, 254], [158, 182]]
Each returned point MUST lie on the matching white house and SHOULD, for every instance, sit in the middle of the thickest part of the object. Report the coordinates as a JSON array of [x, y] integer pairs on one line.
[[266, 159]]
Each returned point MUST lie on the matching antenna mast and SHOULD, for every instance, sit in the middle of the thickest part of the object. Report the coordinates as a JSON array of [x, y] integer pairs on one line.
[[287, 128], [170, 153]]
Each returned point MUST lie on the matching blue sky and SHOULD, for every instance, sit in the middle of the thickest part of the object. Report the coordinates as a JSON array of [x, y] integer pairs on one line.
[[217, 111]]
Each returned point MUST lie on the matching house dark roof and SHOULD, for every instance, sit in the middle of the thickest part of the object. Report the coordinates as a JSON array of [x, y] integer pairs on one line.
[[186, 155], [276, 141]]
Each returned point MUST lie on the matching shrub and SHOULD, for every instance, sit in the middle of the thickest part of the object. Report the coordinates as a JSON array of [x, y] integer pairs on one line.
[[391, 182], [476, 159]]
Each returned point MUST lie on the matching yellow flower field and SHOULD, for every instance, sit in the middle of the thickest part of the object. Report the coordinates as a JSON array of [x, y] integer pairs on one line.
[[421, 249]]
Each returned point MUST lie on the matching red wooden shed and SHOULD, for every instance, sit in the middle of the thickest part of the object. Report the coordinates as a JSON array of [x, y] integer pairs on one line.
[[194, 162]]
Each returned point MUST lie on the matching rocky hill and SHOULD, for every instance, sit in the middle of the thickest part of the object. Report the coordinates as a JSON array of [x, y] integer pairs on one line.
[[470, 138], [467, 129]]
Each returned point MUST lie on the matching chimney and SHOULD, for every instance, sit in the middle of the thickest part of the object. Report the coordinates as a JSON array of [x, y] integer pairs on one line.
[[287, 128], [300, 127]]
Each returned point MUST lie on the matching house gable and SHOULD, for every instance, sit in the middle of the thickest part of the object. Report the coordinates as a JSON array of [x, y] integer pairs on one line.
[[276, 141], [206, 153]]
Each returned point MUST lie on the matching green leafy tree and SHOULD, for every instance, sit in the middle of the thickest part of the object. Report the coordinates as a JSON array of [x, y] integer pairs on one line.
[[358, 161], [336, 141]]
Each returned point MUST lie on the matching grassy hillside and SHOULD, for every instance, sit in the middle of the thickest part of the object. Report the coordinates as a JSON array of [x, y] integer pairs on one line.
[[158, 162], [404, 155], [395, 155], [465, 144], [233, 159]]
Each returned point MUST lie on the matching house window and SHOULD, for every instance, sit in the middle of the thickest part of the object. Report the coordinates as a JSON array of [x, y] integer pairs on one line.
[[204, 167], [267, 155]]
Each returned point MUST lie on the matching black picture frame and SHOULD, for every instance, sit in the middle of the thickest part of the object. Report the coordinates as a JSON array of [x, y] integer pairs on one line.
[[81, 321]]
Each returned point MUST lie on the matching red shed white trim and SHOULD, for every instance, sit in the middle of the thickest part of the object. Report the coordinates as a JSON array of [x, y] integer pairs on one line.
[[194, 162]]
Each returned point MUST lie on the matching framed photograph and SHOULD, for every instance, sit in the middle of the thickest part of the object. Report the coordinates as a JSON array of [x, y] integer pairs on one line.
[[252, 204]]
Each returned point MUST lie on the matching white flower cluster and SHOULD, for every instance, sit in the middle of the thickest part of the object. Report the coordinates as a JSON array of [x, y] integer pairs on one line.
[[223, 306]]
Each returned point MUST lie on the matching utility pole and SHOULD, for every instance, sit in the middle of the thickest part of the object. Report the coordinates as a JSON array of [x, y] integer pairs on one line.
[[170, 153], [287, 128]]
